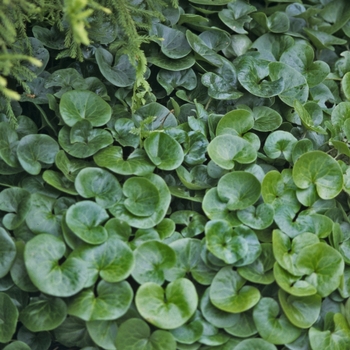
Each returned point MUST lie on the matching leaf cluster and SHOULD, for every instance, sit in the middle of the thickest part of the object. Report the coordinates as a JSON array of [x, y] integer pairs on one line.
[[191, 193]]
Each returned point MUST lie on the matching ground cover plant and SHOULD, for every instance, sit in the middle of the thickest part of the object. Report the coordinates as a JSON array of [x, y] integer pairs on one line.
[[175, 175]]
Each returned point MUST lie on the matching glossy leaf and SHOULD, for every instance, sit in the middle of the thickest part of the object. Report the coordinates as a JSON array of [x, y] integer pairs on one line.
[[229, 293], [9, 317], [84, 105], [273, 326], [42, 255], [111, 301], [167, 309]]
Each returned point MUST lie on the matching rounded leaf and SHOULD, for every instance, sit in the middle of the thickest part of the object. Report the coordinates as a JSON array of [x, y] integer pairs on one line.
[[99, 184], [103, 333], [239, 189], [227, 149], [259, 217], [33, 151], [44, 314], [236, 122], [320, 169], [164, 151], [167, 309], [8, 318], [84, 219], [228, 292], [273, 326], [7, 252], [303, 312], [257, 343], [110, 301], [142, 196], [151, 259], [79, 105], [136, 334], [42, 256]]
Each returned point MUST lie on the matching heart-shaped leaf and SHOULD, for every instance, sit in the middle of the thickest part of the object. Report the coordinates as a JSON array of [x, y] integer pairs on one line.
[[112, 260], [151, 259], [34, 151], [236, 122], [279, 144], [303, 312], [238, 246], [16, 202], [99, 184], [122, 73], [84, 105], [259, 217], [239, 189], [84, 219], [82, 141], [9, 317], [42, 255], [273, 326], [43, 314], [103, 333], [228, 292], [135, 333], [257, 343], [137, 163], [266, 119], [165, 152], [167, 309], [111, 301], [135, 215], [320, 169], [227, 149]]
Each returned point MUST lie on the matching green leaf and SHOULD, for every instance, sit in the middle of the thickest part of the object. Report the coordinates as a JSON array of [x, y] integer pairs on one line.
[[244, 326], [236, 122], [260, 270], [239, 189], [322, 265], [338, 337], [122, 133], [8, 318], [164, 151], [320, 169], [34, 151], [167, 63], [173, 42], [279, 144], [129, 211], [111, 301], [215, 316], [8, 144], [227, 149], [278, 22], [69, 167], [170, 80], [137, 163], [17, 345], [51, 38], [256, 343], [142, 196], [259, 217], [238, 246], [323, 40], [273, 326], [295, 85], [236, 15], [59, 181], [151, 259], [42, 256], [112, 260], [306, 119], [266, 119], [229, 293], [35, 341], [103, 333], [16, 202], [84, 105], [194, 222], [216, 209], [345, 84], [82, 140], [300, 56], [121, 74], [43, 314], [303, 312], [167, 309], [189, 333], [85, 218], [252, 73], [99, 184], [136, 334]]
